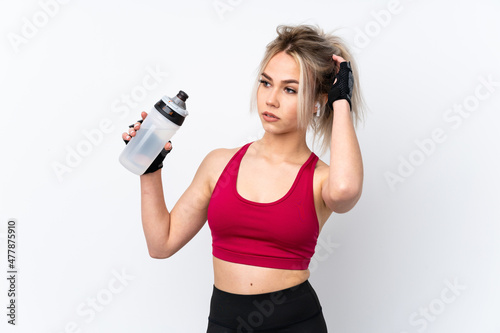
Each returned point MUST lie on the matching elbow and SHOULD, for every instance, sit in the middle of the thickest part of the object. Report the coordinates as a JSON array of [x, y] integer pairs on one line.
[[343, 198], [159, 254], [156, 255]]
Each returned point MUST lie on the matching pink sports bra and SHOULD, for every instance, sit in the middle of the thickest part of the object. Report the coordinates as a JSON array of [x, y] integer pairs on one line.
[[280, 234]]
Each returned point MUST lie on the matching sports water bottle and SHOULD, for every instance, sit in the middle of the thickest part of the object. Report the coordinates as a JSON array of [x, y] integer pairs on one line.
[[164, 119]]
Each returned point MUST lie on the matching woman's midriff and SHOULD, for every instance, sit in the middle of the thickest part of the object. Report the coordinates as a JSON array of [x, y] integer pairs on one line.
[[247, 280]]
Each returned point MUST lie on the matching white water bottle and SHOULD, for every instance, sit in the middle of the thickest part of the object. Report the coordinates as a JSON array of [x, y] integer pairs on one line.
[[164, 119]]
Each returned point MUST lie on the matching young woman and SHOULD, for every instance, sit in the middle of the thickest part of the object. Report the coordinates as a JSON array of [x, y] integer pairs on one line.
[[267, 201]]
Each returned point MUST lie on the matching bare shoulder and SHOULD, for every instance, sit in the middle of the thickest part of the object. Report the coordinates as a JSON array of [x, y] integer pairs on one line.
[[218, 158], [214, 163]]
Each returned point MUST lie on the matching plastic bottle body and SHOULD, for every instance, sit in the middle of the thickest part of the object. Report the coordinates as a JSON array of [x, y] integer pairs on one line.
[[141, 151]]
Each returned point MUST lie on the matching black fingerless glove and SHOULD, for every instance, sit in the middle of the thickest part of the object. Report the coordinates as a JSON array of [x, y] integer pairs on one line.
[[342, 89], [157, 164]]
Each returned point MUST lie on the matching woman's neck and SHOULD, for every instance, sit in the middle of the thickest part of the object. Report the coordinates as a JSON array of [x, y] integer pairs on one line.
[[283, 147]]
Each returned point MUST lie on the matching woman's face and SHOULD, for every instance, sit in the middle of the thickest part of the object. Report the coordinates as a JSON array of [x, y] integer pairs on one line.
[[278, 94]]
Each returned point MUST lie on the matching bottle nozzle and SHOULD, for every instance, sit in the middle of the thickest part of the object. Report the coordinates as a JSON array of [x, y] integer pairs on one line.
[[182, 95]]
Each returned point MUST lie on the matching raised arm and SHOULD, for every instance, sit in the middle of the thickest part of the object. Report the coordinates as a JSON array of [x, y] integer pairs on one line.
[[167, 232], [342, 188]]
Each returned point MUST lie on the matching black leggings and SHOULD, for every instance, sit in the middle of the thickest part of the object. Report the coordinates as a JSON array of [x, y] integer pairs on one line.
[[292, 310]]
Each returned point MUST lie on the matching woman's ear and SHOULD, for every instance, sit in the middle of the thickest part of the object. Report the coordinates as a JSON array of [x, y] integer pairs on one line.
[[324, 99]]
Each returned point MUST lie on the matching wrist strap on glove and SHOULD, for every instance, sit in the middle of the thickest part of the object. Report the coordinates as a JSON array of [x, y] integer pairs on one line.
[[342, 88], [158, 162]]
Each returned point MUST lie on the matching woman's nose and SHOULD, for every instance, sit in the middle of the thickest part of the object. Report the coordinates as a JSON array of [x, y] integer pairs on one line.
[[272, 98]]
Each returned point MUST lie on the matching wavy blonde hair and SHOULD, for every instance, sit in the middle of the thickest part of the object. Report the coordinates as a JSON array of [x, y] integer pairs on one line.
[[312, 49]]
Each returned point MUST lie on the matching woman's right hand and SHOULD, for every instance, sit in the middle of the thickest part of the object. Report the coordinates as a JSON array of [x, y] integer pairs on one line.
[[132, 131]]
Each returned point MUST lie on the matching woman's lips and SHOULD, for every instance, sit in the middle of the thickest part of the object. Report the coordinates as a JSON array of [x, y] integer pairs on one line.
[[268, 116]]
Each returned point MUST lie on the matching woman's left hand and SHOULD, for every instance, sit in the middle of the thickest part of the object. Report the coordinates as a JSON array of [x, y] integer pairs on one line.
[[343, 83], [338, 60]]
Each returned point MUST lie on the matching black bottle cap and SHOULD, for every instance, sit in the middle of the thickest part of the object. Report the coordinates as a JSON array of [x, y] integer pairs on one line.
[[170, 114], [182, 95]]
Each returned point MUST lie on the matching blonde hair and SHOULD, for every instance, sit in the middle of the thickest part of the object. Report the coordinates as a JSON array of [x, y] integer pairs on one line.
[[312, 49]]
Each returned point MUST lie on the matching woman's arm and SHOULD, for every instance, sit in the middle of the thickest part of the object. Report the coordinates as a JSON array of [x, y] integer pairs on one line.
[[342, 188], [167, 232]]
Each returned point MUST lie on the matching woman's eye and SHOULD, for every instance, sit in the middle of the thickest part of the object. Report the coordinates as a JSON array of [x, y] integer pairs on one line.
[[265, 83], [290, 90]]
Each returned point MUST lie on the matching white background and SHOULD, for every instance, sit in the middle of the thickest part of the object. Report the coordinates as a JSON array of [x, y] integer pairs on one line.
[[378, 268]]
